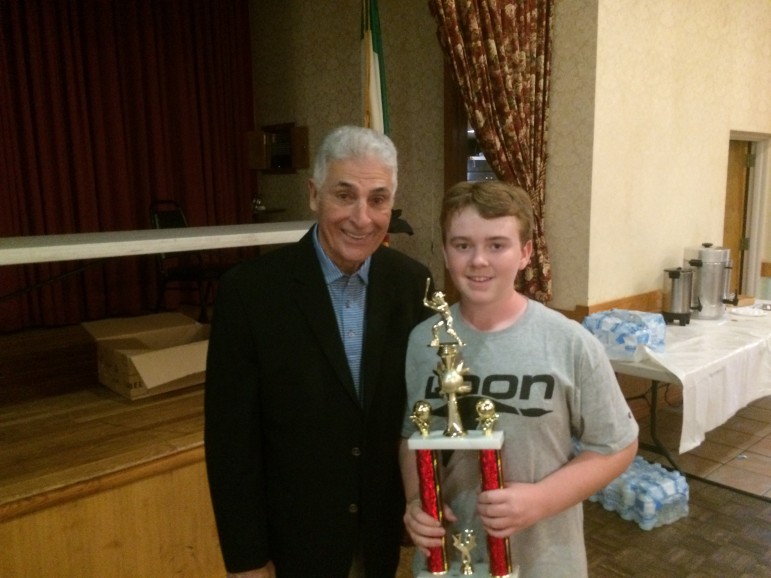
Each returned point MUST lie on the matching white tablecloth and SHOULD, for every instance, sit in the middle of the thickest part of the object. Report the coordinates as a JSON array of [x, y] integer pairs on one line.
[[723, 365]]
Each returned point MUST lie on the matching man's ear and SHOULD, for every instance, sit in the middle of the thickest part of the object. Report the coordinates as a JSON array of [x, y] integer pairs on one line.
[[313, 196]]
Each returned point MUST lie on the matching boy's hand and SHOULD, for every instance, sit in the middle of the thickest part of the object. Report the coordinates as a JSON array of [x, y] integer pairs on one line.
[[425, 531], [514, 507]]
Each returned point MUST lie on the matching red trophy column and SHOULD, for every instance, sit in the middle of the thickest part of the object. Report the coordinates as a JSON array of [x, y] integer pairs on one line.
[[492, 479], [431, 499]]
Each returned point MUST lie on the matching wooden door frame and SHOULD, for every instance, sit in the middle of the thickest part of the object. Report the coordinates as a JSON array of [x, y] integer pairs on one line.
[[757, 224], [735, 222]]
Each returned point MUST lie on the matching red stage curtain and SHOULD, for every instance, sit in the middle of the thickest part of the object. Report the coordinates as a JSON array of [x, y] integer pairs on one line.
[[106, 105]]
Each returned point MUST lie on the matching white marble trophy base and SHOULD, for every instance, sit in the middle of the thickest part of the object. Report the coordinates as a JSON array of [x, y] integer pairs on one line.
[[480, 571], [473, 440]]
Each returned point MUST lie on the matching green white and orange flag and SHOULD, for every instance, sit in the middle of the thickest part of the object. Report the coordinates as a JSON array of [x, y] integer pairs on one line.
[[374, 89]]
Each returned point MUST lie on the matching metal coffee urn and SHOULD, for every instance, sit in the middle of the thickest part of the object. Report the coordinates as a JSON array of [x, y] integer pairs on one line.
[[677, 296], [711, 279]]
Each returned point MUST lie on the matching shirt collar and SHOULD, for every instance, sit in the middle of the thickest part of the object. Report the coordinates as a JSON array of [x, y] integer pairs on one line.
[[330, 271]]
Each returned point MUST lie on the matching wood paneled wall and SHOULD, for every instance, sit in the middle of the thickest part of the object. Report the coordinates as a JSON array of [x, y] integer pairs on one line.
[[651, 301], [155, 526]]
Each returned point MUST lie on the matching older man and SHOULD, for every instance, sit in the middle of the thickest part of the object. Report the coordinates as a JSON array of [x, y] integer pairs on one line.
[[305, 381]]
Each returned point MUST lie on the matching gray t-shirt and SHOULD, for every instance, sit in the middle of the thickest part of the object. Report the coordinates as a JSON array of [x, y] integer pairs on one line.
[[554, 391]]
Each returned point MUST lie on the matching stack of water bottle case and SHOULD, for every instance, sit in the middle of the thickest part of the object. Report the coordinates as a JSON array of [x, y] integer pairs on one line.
[[625, 334], [646, 493]]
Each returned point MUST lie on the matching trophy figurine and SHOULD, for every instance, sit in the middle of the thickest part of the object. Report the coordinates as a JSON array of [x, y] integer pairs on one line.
[[452, 383], [439, 304], [449, 370], [421, 416], [428, 443], [487, 416], [465, 542]]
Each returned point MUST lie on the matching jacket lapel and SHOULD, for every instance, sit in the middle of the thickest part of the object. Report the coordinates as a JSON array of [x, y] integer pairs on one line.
[[312, 297], [380, 300]]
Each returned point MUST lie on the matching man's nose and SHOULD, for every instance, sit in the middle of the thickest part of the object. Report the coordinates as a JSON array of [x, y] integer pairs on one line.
[[360, 212]]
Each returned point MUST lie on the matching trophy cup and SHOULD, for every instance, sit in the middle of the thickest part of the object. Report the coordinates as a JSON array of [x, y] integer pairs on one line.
[[428, 443]]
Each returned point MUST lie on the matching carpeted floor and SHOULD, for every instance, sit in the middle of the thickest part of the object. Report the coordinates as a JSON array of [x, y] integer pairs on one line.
[[726, 533]]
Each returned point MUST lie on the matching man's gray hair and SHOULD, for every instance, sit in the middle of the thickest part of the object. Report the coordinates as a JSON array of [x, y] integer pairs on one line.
[[354, 142]]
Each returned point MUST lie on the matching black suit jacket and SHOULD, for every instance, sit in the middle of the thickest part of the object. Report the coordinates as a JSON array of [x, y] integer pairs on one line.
[[300, 470]]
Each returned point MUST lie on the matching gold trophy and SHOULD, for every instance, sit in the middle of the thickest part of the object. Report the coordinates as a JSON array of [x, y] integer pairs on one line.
[[427, 443]]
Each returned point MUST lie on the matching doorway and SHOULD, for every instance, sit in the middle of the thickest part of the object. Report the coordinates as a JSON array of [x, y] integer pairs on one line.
[[748, 184], [735, 227]]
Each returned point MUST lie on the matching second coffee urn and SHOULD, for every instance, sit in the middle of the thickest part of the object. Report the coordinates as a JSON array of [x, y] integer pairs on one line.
[[711, 280]]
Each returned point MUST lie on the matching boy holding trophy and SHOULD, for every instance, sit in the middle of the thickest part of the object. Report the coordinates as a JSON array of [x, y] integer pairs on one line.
[[568, 430]]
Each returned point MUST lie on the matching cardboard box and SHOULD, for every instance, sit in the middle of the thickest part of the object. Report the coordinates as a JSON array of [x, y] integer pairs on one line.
[[151, 354]]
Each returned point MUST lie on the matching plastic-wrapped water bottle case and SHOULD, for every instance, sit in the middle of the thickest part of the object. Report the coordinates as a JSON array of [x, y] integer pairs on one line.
[[647, 493], [625, 334]]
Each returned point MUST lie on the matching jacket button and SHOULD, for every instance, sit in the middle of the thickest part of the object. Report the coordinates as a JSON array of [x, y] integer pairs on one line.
[[356, 452], [353, 509]]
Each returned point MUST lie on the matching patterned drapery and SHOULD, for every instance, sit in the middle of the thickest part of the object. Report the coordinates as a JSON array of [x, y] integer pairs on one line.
[[500, 56]]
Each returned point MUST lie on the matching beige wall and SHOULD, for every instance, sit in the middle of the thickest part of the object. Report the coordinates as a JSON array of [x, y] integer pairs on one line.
[[644, 98], [671, 80], [571, 135], [307, 60]]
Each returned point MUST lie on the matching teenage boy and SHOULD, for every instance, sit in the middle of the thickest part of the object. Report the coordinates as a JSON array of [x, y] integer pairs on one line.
[[568, 430]]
